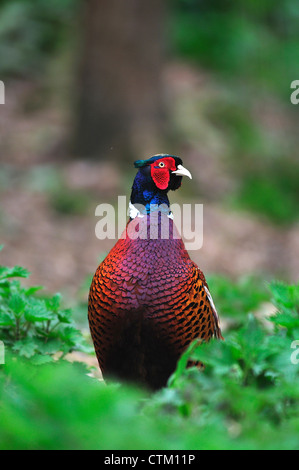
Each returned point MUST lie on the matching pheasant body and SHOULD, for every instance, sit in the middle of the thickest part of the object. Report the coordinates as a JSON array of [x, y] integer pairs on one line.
[[148, 301]]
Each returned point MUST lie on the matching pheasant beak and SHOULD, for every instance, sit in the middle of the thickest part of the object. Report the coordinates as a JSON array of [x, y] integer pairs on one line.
[[181, 171]]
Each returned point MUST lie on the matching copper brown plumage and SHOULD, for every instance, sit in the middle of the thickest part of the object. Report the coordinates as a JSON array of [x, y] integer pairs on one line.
[[148, 300]]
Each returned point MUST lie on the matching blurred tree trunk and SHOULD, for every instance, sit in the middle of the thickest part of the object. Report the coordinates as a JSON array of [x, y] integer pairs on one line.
[[120, 108]]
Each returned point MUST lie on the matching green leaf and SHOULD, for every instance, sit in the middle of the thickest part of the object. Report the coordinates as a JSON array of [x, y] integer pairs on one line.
[[16, 303], [50, 347], [40, 359], [65, 316], [182, 364], [36, 311], [285, 320], [32, 290], [54, 302], [25, 347], [285, 296], [70, 335], [16, 271], [6, 319]]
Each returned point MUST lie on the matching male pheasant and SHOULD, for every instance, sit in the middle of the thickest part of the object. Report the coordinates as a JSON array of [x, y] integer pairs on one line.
[[148, 300]]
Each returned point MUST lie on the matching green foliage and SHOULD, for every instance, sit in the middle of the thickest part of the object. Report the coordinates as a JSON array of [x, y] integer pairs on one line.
[[227, 36], [249, 50], [262, 161], [30, 30], [57, 406], [271, 190], [247, 397], [34, 327], [70, 201], [237, 299], [49, 180]]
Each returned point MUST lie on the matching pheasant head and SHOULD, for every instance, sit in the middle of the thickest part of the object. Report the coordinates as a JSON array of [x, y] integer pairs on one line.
[[156, 176]]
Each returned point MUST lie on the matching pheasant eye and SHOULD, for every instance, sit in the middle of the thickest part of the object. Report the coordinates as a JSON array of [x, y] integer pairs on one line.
[[161, 164]]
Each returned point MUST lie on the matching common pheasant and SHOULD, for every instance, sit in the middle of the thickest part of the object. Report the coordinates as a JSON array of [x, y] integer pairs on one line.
[[148, 300]]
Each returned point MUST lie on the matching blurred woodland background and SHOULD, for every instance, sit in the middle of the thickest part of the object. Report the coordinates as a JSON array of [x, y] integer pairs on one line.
[[92, 85]]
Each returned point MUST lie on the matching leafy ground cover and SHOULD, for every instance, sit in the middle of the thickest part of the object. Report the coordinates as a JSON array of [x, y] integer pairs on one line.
[[246, 398], [32, 326]]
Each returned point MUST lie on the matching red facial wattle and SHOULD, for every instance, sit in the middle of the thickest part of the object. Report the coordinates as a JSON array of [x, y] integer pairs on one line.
[[161, 175]]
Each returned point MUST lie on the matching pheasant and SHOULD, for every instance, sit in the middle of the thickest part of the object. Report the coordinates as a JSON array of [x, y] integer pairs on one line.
[[148, 300]]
